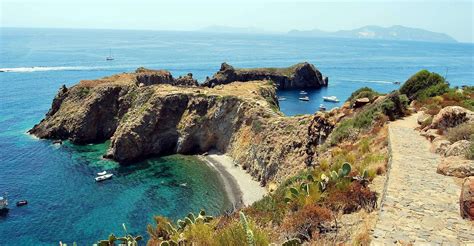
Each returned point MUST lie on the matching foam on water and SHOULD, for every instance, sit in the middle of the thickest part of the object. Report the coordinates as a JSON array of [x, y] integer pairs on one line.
[[44, 69]]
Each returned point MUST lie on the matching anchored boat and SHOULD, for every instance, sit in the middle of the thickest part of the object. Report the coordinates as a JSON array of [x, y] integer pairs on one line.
[[3, 204], [103, 177], [102, 173], [331, 99], [21, 203], [303, 92], [304, 98], [110, 57], [322, 107]]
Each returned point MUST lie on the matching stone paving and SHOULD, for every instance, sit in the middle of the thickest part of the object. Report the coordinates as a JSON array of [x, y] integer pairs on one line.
[[420, 206]]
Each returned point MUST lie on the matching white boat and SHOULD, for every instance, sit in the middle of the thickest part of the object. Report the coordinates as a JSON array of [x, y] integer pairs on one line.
[[3, 204], [303, 92], [281, 98], [331, 99], [110, 57], [102, 173], [322, 107], [305, 98], [103, 177]]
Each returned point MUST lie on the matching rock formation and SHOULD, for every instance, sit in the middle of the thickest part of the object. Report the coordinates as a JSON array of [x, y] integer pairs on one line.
[[149, 113], [452, 116], [301, 75]]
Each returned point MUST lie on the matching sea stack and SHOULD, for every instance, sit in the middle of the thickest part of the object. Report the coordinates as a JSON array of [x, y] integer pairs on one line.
[[298, 76]]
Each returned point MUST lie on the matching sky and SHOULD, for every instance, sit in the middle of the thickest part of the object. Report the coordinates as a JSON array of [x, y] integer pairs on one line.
[[453, 17]]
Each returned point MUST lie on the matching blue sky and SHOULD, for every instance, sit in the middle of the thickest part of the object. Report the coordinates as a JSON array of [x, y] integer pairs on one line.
[[452, 17]]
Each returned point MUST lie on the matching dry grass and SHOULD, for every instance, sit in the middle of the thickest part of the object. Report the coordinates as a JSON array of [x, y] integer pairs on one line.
[[460, 132]]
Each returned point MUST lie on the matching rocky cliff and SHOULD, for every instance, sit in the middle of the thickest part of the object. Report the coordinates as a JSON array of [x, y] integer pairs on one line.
[[301, 75], [149, 113]]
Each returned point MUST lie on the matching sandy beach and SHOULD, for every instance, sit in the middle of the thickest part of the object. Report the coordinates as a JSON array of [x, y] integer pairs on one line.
[[239, 185]]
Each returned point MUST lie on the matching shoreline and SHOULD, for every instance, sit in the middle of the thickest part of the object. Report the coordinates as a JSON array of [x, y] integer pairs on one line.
[[239, 186]]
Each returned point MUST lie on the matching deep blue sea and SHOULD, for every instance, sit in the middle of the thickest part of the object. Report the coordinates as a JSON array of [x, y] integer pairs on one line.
[[64, 201]]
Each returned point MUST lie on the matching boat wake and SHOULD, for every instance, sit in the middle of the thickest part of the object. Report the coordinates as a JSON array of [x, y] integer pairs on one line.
[[43, 69], [370, 81]]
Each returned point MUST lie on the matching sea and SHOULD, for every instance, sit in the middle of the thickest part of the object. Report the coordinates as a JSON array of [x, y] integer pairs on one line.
[[66, 204]]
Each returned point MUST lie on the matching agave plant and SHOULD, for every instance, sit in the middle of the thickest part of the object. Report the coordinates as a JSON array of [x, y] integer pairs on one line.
[[128, 239], [248, 231]]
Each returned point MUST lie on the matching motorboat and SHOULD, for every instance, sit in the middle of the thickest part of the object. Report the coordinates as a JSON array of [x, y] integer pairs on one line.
[[104, 177], [322, 107], [397, 82], [21, 203], [102, 173], [331, 99], [183, 184], [3, 204], [305, 98], [281, 98], [303, 92]]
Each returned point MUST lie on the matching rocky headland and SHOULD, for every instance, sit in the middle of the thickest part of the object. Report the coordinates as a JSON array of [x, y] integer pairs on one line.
[[150, 113]]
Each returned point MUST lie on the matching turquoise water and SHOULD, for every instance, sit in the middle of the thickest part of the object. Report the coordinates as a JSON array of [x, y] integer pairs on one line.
[[65, 202]]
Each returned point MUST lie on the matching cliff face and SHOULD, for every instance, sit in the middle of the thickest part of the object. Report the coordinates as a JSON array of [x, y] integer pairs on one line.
[[143, 114], [301, 75]]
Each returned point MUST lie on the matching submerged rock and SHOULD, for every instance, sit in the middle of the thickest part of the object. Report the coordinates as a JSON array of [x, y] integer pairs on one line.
[[301, 75]]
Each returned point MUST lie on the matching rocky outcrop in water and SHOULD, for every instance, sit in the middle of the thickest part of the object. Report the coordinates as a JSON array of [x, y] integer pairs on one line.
[[149, 113], [301, 75]]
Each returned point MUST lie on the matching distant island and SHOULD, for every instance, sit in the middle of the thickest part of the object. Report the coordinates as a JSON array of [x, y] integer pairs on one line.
[[397, 32], [377, 32]]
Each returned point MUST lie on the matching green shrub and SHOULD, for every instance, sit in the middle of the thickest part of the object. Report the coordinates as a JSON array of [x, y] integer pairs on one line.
[[461, 132], [270, 209], [342, 131], [434, 90], [363, 92], [470, 152], [424, 84]]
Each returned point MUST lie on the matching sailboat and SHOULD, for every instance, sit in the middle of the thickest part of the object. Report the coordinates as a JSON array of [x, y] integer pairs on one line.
[[110, 57]]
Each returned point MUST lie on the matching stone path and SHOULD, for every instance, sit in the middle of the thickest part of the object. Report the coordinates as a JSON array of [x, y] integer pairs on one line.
[[420, 206]]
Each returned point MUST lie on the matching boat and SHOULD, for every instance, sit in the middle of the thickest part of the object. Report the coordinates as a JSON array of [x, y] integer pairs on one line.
[[322, 107], [303, 92], [110, 57], [183, 184], [304, 98], [281, 98], [103, 177], [21, 203], [397, 82], [102, 173], [3, 204], [331, 99]]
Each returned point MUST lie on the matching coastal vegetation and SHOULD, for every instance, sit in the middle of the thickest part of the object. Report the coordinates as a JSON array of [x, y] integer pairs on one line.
[[322, 167]]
